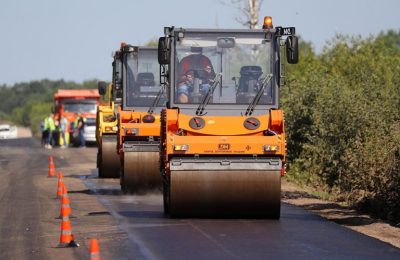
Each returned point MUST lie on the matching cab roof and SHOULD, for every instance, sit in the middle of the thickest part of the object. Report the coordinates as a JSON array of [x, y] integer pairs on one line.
[[77, 93]]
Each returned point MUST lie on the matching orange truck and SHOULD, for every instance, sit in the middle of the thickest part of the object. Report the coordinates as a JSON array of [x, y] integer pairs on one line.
[[69, 103]]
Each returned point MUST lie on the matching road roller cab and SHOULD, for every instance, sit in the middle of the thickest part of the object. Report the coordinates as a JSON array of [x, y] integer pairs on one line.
[[222, 134], [108, 162], [139, 120]]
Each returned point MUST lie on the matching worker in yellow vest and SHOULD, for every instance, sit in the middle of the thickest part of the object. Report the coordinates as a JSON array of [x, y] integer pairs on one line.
[[50, 126]]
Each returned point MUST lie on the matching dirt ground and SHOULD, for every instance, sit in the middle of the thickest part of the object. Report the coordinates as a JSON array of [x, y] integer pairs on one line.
[[342, 215]]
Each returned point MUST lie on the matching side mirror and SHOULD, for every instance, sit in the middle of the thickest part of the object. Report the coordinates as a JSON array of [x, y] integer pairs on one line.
[[292, 49], [164, 54], [102, 87]]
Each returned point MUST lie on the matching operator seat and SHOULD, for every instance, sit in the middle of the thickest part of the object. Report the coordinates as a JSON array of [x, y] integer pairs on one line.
[[247, 88], [145, 89], [145, 79]]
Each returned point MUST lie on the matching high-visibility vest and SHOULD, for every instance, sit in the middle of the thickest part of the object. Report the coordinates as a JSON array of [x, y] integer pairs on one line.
[[46, 124], [52, 124]]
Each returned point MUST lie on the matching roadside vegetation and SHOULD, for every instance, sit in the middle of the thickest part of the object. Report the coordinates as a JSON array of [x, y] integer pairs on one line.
[[342, 110], [343, 121]]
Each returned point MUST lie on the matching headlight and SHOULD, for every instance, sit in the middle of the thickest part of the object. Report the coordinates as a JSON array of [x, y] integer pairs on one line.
[[131, 131], [271, 148], [181, 147]]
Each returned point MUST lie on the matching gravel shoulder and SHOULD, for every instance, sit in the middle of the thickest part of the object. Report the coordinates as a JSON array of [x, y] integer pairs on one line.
[[342, 215]]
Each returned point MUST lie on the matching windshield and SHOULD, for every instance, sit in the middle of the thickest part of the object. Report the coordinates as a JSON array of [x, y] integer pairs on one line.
[[90, 121], [143, 79], [87, 106], [244, 63]]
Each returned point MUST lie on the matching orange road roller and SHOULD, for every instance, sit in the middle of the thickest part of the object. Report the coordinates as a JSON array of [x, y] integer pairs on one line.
[[222, 134], [108, 162], [139, 119]]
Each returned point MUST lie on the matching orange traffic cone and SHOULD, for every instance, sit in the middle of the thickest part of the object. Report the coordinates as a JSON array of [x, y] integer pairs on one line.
[[66, 237], [52, 169], [94, 249], [65, 203], [64, 190], [65, 208], [60, 185]]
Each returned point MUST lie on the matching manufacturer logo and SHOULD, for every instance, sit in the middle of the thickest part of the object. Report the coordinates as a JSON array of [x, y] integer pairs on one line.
[[224, 147]]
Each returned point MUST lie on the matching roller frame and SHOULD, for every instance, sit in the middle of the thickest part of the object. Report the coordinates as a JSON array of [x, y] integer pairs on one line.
[[108, 159], [140, 168], [223, 188]]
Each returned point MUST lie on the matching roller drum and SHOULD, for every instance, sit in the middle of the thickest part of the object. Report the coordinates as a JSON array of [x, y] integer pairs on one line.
[[109, 163], [141, 172], [229, 193]]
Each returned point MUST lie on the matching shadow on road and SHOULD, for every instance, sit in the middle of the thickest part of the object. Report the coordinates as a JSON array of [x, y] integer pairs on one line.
[[296, 195], [341, 215], [98, 191], [324, 206], [99, 213], [353, 221]]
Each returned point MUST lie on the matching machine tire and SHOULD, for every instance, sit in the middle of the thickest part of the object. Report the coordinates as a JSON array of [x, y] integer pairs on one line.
[[109, 166], [121, 178], [249, 194], [98, 160], [166, 198], [140, 172]]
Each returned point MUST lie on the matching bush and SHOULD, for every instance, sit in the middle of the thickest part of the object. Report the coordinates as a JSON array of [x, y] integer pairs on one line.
[[343, 115]]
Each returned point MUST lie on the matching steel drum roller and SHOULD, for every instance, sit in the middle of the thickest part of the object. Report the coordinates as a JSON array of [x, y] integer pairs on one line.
[[141, 172], [255, 193], [109, 166]]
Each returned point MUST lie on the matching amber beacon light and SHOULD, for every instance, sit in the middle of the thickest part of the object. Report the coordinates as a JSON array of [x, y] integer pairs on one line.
[[267, 22]]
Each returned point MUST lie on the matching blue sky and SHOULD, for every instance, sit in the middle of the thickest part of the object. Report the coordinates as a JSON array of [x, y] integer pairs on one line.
[[74, 39]]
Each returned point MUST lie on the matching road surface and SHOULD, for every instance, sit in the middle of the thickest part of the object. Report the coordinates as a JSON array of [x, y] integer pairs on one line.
[[134, 227]]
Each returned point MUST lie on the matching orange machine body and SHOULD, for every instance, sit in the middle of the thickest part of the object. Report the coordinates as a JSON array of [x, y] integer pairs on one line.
[[224, 135], [132, 127]]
